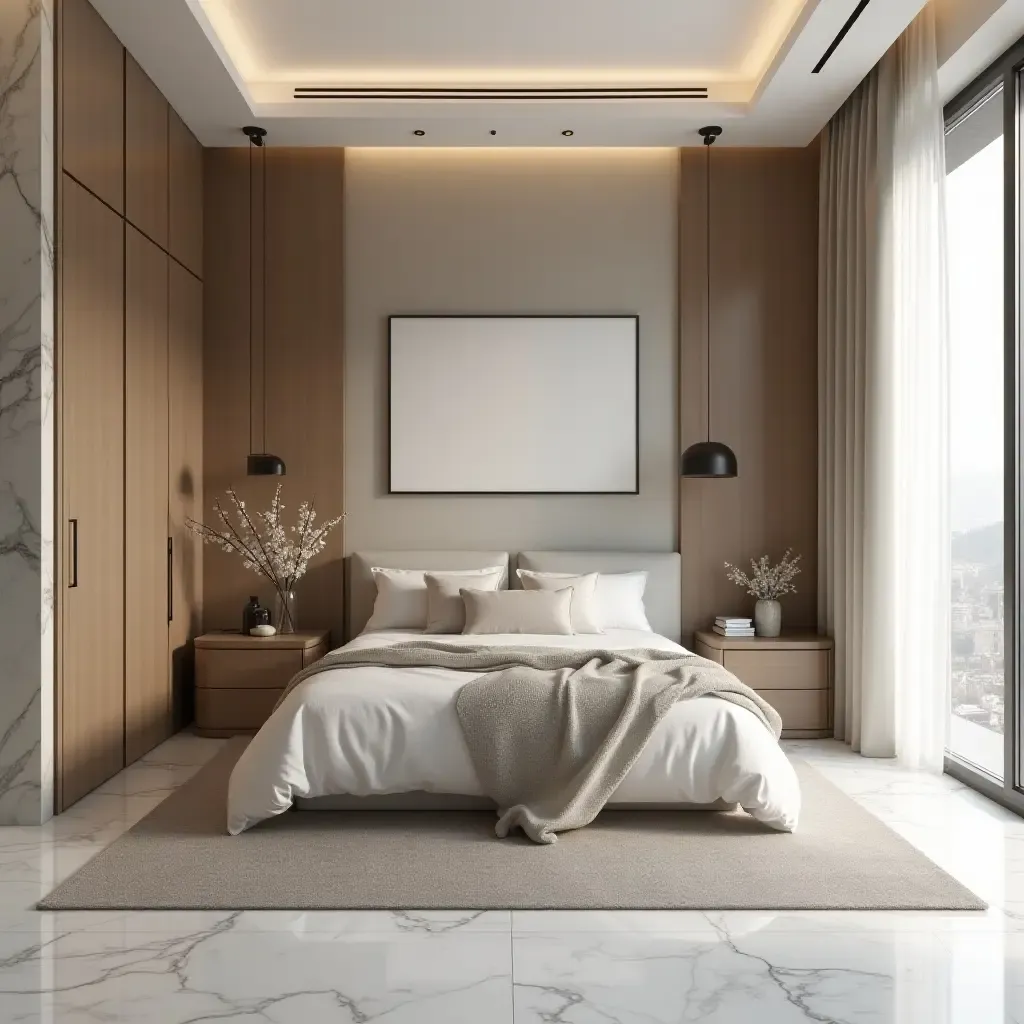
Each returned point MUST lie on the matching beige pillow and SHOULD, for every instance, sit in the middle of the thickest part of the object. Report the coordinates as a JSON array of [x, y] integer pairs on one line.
[[618, 598], [584, 588], [446, 612], [519, 611], [402, 596]]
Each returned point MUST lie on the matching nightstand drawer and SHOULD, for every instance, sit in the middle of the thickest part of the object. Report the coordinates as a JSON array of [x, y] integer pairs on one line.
[[780, 670], [222, 710], [246, 668], [800, 709]]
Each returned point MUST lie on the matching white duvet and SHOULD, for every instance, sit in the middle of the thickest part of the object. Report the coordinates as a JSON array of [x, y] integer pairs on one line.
[[370, 731]]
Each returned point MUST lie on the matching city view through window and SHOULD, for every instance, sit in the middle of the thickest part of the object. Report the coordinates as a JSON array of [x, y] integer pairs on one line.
[[975, 223]]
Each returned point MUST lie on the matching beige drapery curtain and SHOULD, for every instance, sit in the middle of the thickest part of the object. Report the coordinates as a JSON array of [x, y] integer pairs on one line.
[[883, 407]]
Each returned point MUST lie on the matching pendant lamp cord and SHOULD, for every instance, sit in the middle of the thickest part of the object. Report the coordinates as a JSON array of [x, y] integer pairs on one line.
[[707, 363], [263, 286], [250, 292]]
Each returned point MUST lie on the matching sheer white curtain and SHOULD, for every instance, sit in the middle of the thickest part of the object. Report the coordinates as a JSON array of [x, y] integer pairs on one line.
[[883, 407]]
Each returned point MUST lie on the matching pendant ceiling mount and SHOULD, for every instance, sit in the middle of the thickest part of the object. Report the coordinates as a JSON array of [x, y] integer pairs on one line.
[[709, 459], [255, 134]]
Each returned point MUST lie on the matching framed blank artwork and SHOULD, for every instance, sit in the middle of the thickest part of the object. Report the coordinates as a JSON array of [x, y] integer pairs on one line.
[[513, 404]]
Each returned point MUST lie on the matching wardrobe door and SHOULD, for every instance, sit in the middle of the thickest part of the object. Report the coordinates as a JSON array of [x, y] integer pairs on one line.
[[185, 230], [147, 696], [185, 481], [91, 741], [92, 101], [145, 154]]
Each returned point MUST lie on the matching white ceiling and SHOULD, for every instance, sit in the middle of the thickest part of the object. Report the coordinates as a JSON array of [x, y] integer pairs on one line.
[[225, 63], [970, 35], [360, 41]]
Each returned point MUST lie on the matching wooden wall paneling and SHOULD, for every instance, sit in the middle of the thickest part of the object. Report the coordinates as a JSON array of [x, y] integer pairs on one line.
[[147, 686], [303, 359], [91, 705], [92, 102], [145, 154], [304, 355], [185, 480], [763, 373], [227, 372], [693, 383], [185, 227]]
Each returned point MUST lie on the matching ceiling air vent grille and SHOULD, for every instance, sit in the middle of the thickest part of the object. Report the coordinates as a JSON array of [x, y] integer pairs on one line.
[[330, 92], [833, 46]]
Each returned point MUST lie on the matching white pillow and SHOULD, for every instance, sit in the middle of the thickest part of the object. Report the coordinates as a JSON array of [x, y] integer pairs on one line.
[[519, 611], [618, 598], [584, 613], [446, 612], [401, 601]]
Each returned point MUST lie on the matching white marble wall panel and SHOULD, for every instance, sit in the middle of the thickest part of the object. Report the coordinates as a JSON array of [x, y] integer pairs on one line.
[[26, 410]]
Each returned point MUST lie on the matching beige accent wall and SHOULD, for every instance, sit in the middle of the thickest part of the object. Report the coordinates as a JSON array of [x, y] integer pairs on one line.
[[511, 231], [522, 231]]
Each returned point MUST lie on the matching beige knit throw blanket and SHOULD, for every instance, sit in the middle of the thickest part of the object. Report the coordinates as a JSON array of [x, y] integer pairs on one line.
[[553, 731]]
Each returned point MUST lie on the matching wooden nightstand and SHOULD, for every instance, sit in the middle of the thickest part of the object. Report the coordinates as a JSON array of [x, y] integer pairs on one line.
[[239, 678], [792, 672]]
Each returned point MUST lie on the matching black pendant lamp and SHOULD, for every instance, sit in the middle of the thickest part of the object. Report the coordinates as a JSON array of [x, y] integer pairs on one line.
[[259, 463], [709, 459]]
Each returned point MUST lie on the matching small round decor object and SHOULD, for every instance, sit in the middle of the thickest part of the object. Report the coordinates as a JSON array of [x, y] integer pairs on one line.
[[262, 630]]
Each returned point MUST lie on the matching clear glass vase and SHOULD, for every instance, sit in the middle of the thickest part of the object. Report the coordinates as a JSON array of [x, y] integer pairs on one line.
[[284, 611]]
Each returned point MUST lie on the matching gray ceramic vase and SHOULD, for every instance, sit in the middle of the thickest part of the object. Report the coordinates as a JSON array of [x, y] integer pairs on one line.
[[768, 618]]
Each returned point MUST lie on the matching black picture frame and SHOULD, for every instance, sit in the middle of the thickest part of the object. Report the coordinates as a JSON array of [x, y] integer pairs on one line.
[[635, 317]]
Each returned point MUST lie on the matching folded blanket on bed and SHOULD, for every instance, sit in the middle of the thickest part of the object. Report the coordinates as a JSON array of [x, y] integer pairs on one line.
[[552, 732]]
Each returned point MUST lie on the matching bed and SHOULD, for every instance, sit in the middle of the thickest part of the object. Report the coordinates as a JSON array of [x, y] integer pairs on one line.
[[389, 738]]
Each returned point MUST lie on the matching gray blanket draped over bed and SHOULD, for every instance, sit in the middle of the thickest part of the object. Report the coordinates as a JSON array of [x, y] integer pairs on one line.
[[551, 731]]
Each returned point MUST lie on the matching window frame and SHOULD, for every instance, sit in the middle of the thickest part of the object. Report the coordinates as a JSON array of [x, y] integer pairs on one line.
[[1006, 71]]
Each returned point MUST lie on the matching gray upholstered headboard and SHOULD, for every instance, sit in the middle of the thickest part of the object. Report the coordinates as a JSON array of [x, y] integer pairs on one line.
[[662, 598], [362, 590]]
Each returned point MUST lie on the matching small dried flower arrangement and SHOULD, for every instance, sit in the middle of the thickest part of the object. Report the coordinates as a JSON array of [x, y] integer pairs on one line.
[[767, 582], [278, 553]]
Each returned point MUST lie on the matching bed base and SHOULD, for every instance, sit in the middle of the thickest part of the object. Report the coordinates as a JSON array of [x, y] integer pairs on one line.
[[421, 801]]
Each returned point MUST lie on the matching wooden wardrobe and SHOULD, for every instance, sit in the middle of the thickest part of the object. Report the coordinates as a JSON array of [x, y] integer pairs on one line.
[[129, 399]]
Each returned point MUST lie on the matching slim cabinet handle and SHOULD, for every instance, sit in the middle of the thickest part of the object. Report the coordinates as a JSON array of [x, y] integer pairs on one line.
[[73, 542], [170, 579]]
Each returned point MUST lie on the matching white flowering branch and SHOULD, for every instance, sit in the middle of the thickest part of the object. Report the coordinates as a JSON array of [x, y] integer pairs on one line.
[[267, 548], [767, 582]]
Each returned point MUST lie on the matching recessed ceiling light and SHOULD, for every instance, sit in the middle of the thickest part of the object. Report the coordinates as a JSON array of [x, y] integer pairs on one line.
[[419, 131], [567, 132], [493, 132]]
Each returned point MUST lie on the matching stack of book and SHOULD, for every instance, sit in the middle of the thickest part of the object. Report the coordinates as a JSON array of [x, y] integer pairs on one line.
[[727, 626]]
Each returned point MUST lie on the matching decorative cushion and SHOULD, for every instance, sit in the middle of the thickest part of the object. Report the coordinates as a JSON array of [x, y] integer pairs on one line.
[[519, 611], [618, 601], [446, 611], [401, 601], [584, 617]]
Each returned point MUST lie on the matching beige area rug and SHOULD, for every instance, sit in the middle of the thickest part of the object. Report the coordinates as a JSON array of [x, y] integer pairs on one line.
[[180, 857]]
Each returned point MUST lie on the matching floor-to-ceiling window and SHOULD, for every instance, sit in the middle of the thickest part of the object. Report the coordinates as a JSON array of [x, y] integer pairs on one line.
[[984, 215], [975, 216]]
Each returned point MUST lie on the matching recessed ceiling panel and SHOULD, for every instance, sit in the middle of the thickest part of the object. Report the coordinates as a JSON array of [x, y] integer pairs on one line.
[[505, 68], [300, 40]]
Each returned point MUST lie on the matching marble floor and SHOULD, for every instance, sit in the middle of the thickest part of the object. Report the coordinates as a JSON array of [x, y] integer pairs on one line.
[[536, 967]]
